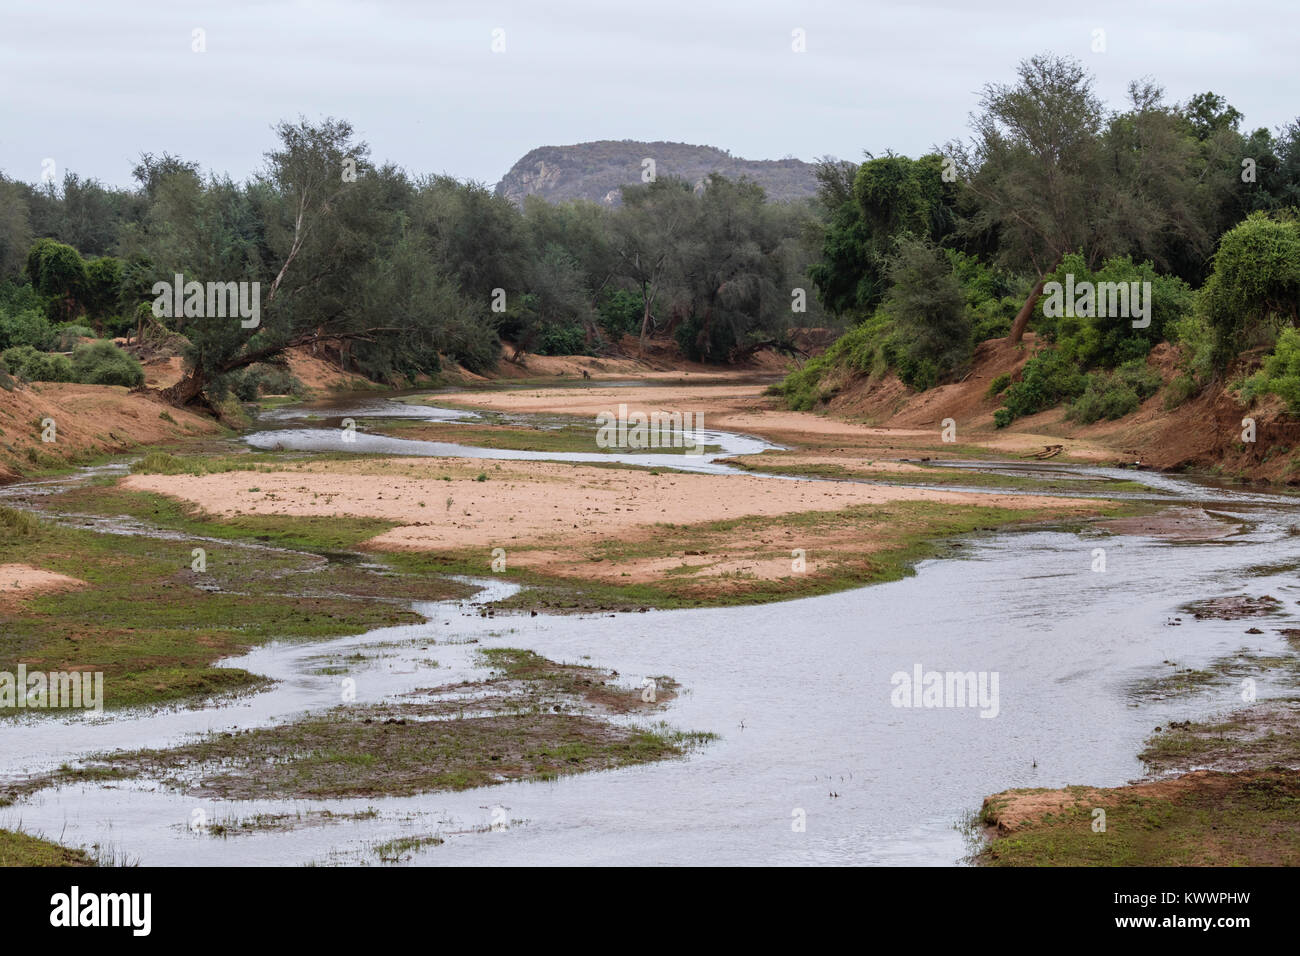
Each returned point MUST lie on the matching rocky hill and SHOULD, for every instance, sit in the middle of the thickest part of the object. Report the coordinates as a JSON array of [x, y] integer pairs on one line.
[[597, 171]]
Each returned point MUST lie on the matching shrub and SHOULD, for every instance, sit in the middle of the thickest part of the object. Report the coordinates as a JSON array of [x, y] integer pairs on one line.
[[37, 366], [257, 380], [28, 327], [59, 274], [558, 339], [999, 385], [1280, 374], [66, 337], [1050, 377], [1002, 417], [17, 524], [1182, 389], [103, 363], [990, 296], [1107, 342], [927, 307], [621, 313], [1114, 395], [1255, 284], [862, 350], [1195, 340]]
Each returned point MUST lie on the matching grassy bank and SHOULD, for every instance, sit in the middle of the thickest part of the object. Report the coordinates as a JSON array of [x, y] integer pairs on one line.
[[1241, 807], [170, 622], [1207, 819], [20, 849]]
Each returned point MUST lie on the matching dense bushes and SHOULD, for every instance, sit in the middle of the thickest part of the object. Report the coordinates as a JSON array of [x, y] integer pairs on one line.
[[28, 327], [1106, 341], [66, 337], [92, 363], [1255, 286], [862, 350], [926, 305], [922, 330], [562, 340], [1114, 394], [1280, 375], [257, 380], [1055, 375], [58, 274], [620, 313], [1049, 378], [36, 366], [103, 363], [1080, 343]]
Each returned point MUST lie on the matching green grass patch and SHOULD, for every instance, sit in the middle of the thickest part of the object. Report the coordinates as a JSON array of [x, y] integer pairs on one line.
[[154, 625], [20, 849]]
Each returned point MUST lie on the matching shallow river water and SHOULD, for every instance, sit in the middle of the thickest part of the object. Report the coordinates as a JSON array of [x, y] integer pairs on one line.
[[799, 693]]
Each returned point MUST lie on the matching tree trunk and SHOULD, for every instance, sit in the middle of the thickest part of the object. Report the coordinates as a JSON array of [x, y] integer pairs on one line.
[[645, 321], [187, 390], [1026, 310]]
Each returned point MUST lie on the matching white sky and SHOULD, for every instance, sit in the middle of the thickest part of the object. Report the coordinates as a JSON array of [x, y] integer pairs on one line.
[[92, 83]]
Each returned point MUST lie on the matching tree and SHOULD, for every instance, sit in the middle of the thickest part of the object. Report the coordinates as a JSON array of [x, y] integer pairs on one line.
[[730, 270], [306, 200], [891, 196], [1209, 113], [15, 228], [152, 171], [58, 272], [473, 235], [1037, 167], [1156, 206], [1255, 286], [103, 289], [927, 306], [645, 237]]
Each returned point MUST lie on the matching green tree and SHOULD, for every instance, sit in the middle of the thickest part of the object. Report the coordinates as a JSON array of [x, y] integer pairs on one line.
[[927, 307], [103, 289], [15, 228], [1037, 168], [1254, 288], [645, 237], [891, 197], [312, 242], [58, 273]]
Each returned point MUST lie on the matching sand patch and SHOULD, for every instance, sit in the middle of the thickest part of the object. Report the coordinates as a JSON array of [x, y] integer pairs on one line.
[[1013, 810], [22, 580], [695, 537], [533, 503]]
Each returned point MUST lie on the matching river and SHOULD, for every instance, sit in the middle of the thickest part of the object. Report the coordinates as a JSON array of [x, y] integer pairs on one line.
[[799, 693]]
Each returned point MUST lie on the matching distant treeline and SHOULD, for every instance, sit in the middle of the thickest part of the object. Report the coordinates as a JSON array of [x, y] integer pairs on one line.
[[397, 272], [923, 258]]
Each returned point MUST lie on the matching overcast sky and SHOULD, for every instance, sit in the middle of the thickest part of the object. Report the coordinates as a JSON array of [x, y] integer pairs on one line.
[[93, 83]]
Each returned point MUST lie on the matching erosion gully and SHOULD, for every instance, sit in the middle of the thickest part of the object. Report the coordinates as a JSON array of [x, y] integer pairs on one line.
[[799, 693]]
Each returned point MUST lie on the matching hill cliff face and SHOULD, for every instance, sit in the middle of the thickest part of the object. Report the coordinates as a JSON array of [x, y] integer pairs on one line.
[[597, 171]]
